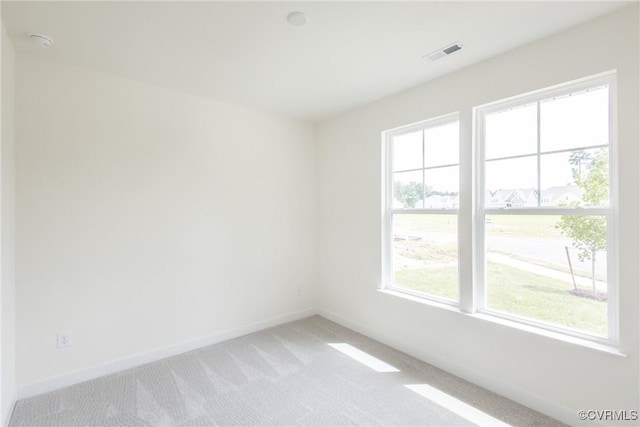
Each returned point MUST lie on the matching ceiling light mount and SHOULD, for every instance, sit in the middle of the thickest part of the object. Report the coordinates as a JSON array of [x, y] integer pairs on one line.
[[297, 18], [41, 40]]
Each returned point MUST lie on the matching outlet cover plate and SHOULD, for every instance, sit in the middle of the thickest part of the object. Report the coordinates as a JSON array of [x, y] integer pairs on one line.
[[64, 339]]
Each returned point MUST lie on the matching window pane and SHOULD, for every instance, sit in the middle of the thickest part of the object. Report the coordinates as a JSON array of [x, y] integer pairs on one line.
[[407, 151], [575, 178], [529, 262], [425, 254], [441, 145], [441, 187], [512, 183], [578, 120], [407, 190], [511, 132]]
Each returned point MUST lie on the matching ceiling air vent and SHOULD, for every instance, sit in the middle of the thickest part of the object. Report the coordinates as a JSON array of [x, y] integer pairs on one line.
[[442, 52]]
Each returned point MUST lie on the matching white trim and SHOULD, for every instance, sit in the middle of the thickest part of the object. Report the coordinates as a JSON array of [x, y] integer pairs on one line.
[[387, 216], [510, 319], [472, 297], [466, 214], [607, 79], [426, 168], [425, 296], [559, 334], [548, 210], [547, 93], [479, 295], [585, 341], [613, 308], [519, 395], [447, 211], [538, 160], [114, 366], [387, 193], [423, 124], [542, 153]]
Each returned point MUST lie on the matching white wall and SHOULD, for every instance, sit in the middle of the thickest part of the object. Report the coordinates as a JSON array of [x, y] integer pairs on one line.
[[554, 376], [7, 232], [147, 217]]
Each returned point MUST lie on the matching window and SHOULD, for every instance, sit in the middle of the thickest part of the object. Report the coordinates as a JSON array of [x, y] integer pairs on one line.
[[545, 213], [422, 208], [539, 210]]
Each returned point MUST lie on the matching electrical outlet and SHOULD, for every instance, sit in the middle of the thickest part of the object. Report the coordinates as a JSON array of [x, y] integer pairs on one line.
[[64, 339]]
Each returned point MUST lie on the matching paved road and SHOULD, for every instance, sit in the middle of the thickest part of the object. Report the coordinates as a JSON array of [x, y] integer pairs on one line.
[[544, 271], [546, 250]]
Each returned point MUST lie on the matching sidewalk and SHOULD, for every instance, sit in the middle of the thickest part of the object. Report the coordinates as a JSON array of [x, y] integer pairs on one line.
[[545, 271]]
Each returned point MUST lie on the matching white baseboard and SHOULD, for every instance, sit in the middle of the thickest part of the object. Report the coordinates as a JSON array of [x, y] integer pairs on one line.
[[538, 403], [75, 377], [523, 397]]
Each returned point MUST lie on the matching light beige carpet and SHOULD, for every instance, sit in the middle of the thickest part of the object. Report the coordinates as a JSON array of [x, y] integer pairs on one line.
[[287, 375]]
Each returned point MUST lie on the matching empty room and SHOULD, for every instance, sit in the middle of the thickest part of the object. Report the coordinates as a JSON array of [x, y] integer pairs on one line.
[[420, 213]]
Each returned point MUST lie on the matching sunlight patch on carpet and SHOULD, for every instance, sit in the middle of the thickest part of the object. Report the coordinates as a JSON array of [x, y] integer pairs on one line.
[[364, 358]]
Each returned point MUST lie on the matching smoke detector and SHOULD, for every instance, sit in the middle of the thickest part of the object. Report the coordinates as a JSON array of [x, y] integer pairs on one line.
[[442, 52], [41, 40], [297, 18]]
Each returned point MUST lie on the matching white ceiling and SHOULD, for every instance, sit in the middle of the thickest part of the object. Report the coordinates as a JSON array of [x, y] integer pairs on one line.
[[348, 54]]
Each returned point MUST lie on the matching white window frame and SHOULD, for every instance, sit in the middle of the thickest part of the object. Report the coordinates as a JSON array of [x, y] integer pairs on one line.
[[471, 213], [388, 211], [610, 212]]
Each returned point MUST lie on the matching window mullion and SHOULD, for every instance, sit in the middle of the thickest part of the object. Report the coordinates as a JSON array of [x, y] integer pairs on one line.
[[466, 249], [539, 189], [424, 186], [479, 292]]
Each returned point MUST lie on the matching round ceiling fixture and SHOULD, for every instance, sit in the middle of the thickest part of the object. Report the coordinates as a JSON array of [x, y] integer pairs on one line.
[[41, 40], [297, 18]]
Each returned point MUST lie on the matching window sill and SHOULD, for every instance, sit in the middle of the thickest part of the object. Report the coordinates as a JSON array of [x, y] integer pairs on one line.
[[421, 300], [582, 342]]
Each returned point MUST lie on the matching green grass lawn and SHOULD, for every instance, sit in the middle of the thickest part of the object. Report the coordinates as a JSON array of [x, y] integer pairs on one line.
[[537, 297], [516, 292], [496, 225], [441, 282], [431, 267], [554, 266], [523, 225], [406, 224]]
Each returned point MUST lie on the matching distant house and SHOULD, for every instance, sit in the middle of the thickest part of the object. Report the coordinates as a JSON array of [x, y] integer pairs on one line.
[[441, 202], [561, 195], [497, 199], [528, 197], [512, 198], [435, 202]]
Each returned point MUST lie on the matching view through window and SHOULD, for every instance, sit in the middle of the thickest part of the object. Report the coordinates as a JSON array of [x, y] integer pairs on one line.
[[543, 210], [424, 206], [546, 206]]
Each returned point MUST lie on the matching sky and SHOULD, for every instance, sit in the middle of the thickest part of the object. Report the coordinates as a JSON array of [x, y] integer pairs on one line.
[[568, 122]]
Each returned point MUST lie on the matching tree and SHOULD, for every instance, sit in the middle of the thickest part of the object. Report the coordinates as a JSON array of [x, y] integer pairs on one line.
[[577, 159], [408, 193], [589, 233]]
